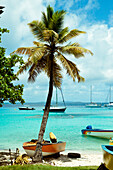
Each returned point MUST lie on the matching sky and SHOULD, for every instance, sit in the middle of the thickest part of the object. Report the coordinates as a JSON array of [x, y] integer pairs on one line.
[[93, 16]]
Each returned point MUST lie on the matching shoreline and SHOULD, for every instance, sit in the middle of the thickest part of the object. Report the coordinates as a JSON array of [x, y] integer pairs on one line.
[[86, 159]]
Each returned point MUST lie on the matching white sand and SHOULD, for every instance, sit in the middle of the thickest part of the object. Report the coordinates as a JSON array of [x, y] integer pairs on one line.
[[85, 160]]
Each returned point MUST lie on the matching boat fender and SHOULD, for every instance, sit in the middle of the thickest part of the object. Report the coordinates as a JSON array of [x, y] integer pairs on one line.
[[74, 155], [89, 127], [52, 137]]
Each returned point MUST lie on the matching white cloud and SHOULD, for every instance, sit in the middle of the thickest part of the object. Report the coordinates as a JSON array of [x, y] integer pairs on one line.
[[91, 4], [96, 69]]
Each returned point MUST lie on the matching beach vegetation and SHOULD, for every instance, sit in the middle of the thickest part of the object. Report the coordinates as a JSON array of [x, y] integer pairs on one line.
[[46, 167], [50, 54], [8, 90]]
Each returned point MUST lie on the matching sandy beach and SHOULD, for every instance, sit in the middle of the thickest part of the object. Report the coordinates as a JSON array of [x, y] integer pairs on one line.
[[85, 160], [88, 159]]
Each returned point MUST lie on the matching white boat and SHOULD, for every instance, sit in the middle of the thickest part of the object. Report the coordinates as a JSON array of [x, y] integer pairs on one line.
[[101, 133], [110, 104], [108, 156], [57, 108], [92, 104]]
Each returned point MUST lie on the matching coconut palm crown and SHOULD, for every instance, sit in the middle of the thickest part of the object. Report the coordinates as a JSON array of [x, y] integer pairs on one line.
[[46, 53]]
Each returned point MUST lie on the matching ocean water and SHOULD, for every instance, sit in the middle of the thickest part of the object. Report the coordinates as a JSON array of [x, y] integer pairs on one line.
[[18, 126]]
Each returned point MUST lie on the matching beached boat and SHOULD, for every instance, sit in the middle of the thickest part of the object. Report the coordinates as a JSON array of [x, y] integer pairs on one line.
[[108, 156], [26, 108], [57, 108], [92, 104], [47, 147], [89, 131]]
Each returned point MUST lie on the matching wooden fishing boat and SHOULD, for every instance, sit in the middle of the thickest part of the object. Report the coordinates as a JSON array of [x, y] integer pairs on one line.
[[89, 131], [108, 156], [26, 108], [47, 147]]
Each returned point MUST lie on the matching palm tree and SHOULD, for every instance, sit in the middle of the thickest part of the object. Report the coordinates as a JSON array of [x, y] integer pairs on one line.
[[44, 56]]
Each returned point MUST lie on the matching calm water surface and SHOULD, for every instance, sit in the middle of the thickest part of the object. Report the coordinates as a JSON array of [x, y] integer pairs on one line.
[[18, 126]]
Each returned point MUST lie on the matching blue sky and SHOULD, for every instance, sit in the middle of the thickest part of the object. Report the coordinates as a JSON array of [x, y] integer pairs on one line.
[[93, 16]]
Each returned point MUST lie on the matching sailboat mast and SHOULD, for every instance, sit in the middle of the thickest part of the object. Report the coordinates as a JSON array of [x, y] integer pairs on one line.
[[63, 97], [56, 97], [110, 95], [91, 94]]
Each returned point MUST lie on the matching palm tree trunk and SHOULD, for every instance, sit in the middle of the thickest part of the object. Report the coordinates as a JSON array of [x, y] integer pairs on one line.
[[38, 152]]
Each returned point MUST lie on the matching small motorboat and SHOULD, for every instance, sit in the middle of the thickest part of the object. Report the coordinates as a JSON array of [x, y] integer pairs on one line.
[[89, 131], [48, 148], [26, 108], [108, 156]]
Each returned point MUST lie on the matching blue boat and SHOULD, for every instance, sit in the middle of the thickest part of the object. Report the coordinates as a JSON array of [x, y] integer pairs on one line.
[[101, 133], [108, 156]]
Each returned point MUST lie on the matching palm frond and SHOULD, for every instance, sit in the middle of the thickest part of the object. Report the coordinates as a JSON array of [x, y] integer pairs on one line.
[[73, 33], [74, 49], [24, 67], [37, 54], [71, 68], [44, 19], [50, 12], [38, 44], [32, 73], [38, 67], [65, 64], [63, 32], [37, 29], [75, 71], [23, 50], [50, 36], [57, 20], [57, 77]]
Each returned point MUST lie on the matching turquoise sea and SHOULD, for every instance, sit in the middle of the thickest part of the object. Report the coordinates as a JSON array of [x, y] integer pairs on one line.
[[18, 126]]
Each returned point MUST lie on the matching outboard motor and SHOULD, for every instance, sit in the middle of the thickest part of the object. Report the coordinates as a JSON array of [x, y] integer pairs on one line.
[[89, 127]]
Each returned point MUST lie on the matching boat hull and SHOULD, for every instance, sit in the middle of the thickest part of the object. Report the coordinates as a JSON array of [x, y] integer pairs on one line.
[[47, 149], [108, 156], [98, 133], [93, 105], [57, 109], [26, 108]]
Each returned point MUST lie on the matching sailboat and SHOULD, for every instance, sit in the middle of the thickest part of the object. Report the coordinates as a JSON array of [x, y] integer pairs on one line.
[[57, 108], [92, 104], [110, 104]]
